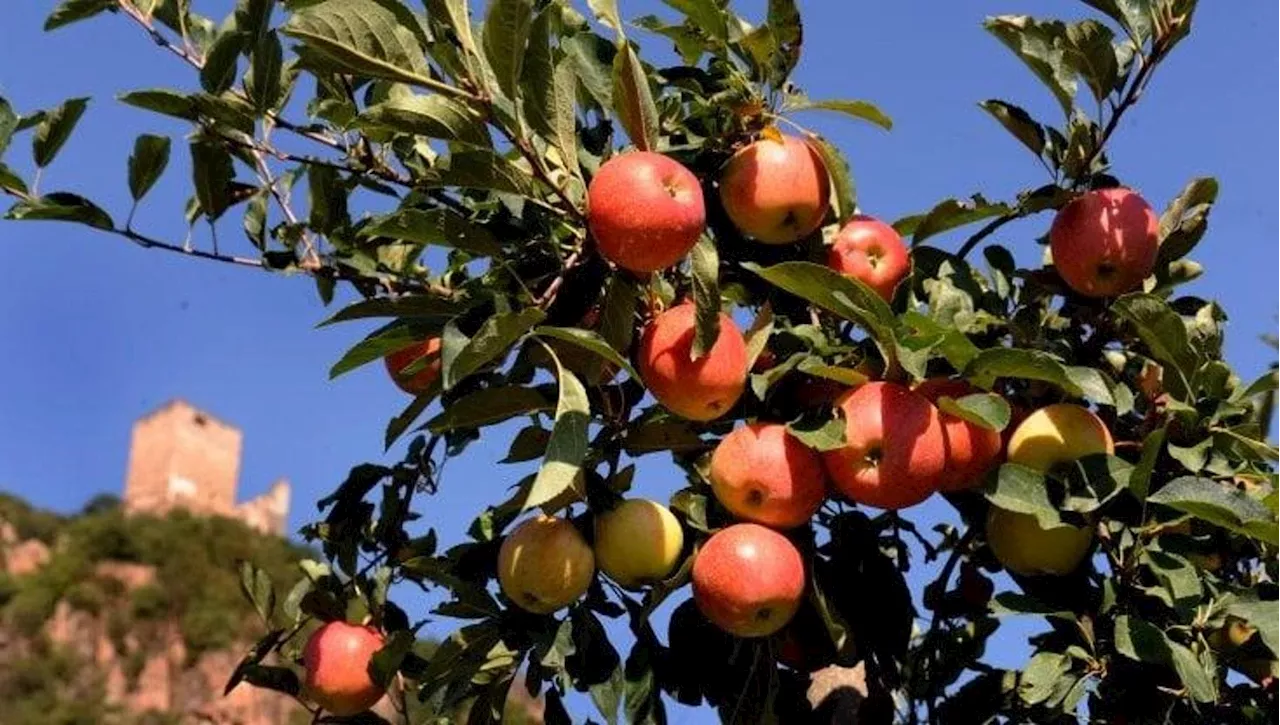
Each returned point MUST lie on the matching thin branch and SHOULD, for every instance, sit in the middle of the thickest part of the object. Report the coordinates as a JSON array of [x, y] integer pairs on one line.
[[147, 242], [987, 231], [948, 568], [549, 294]]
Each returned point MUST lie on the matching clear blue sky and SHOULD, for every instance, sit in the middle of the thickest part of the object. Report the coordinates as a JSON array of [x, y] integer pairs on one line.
[[96, 332]]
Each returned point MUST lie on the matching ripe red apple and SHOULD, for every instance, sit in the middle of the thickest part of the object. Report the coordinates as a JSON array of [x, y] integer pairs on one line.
[[872, 252], [971, 449], [760, 473], [748, 580], [421, 381], [701, 389], [1104, 242], [776, 190], [895, 450], [645, 211], [336, 660]]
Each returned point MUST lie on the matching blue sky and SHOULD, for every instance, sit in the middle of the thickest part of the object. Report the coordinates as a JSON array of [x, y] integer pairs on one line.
[[97, 332]]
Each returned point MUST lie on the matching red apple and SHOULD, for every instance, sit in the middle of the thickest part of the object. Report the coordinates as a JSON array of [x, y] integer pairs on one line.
[[872, 252], [760, 473], [701, 389], [421, 381], [895, 449], [776, 190], [645, 211], [336, 659], [1104, 243], [748, 580], [971, 449]]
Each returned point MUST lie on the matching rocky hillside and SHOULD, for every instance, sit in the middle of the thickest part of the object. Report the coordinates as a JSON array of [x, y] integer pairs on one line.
[[131, 621]]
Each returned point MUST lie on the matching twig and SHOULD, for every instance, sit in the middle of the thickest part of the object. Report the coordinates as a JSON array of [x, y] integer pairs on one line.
[[944, 577], [549, 294], [283, 202], [987, 231]]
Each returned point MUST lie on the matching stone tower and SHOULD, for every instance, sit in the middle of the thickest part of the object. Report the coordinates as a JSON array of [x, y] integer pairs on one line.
[[182, 457]]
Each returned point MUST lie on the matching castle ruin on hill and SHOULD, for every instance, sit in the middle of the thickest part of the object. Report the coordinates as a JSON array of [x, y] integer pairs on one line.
[[182, 457]]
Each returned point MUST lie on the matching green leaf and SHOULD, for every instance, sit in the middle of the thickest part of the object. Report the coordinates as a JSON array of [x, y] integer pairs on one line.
[[1042, 47], [440, 227], [70, 11], [1185, 220], [1263, 615], [845, 376], [589, 341], [818, 434], [376, 345], [328, 199], [477, 169], [1179, 579], [162, 101], [1133, 15], [266, 64], [493, 339], [708, 16], [953, 213], [633, 100], [549, 92], [1089, 49], [783, 19], [8, 124], [528, 444], [506, 33], [212, 172], [256, 586], [253, 17], [1140, 640], [405, 418], [1017, 122], [1021, 489], [63, 207], [458, 18], [1162, 331], [862, 110], [1040, 677], [255, 220], [705, 263], [606, 11], [661, 434], [994, 363], [954, 345], [1140, 478], [832, 291], [12, 182], [412, 307], [386, 662], [567, 447], [983, 409], [843, 194], [54, 130], [592, 58], [433, 116], [372, 38], [146, 164], [1215, 503], [488, 406], [219, 70]]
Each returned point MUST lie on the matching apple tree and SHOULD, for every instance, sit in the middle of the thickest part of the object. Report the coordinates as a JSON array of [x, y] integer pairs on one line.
[[652, 262]]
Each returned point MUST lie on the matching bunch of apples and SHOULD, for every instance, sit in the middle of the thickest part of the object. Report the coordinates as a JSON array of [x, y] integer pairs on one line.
[[646, 211]]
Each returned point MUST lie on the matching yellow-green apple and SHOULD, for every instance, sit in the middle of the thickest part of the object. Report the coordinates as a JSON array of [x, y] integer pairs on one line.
[[871, 252], [336, 663], [421, 381], [645, 211], [776, 190], [1024, 547], [1104, 242], [972, 450], [760, 473], [748, 580], [701, 389], [1058, 433], [894, 451], [545, 564], [637, 542]]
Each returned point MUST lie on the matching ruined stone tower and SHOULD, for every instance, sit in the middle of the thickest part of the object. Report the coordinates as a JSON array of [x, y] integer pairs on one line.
[[182, 457]]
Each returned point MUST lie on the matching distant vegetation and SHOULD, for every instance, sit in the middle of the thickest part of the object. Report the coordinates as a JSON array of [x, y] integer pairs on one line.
[[197, 584]]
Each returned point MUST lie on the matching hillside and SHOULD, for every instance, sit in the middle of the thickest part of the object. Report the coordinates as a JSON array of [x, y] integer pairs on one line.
[[107, 619]]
